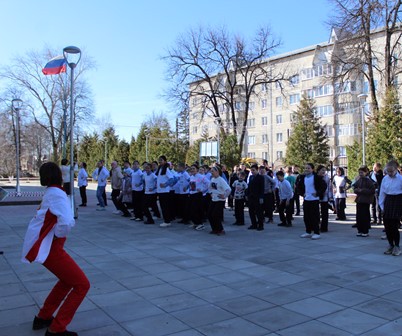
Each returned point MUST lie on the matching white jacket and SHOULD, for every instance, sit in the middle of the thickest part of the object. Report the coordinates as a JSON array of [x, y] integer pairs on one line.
[[54, 218]]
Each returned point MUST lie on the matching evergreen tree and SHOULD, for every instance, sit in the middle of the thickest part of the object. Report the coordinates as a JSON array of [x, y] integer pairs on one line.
[[230, 151], [193, 152], [354, 154], [384, 138], [308, 141]]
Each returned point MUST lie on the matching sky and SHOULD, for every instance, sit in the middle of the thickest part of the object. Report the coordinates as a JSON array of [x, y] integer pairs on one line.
[[127, 39]]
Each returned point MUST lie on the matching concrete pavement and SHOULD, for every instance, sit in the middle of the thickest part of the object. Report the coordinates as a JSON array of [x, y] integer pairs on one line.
[[152, 281]]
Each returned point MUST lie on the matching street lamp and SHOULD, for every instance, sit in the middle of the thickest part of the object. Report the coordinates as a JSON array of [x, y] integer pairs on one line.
[[17, 105], [362, 97], [72, 55]]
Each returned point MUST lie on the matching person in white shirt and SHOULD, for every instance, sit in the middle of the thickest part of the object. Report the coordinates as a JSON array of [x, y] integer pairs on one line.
[[219, 190], [65, 172], [149, 200], [44, 243], [390, 202], [83, 183], [197, 186], [181, 193], [285, 197], [137, 187], [240, 186], [164, 181], [101, 175], [342, 184]]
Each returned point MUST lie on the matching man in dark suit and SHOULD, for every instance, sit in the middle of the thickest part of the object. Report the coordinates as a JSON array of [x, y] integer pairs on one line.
[[255, 196]]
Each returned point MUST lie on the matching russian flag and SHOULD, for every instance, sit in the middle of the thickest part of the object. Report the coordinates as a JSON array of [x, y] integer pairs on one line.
[[55, 66]]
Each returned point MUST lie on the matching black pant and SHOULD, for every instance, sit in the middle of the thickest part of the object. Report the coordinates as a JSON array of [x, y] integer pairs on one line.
[[340, 208], [83, 194], [164, 201], [255, 212], [182, 206], [285, 212], [324, 216], [117, 202], [147, 202], [297, 202], [375, 209], [215, 215], [239, 210], [391, 229], [311, 216], [269, 201], [137, 203], [195, 209], [363, 217]]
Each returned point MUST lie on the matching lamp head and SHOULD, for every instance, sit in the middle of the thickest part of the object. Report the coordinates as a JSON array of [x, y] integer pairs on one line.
[[17, 103], [71, 50]]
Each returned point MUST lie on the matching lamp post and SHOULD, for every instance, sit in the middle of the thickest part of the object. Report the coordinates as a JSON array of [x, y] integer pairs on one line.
[[17, 105], [362, 97], [218, 124], [75, 54]]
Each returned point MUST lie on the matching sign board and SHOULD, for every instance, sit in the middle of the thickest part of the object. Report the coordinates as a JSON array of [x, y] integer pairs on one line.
[[209, 148]]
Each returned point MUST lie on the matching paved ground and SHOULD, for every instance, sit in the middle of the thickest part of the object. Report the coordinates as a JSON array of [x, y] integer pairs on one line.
[[176, 281]]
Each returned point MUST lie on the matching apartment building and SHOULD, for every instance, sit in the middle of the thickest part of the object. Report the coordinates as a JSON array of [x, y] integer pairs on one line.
[[310, 72]]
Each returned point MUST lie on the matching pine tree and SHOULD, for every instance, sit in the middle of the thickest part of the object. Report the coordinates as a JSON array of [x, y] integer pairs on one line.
[[308, 141], [384, 138]]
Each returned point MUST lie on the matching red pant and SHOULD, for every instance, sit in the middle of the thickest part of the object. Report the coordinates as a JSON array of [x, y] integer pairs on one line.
[[72, 287]]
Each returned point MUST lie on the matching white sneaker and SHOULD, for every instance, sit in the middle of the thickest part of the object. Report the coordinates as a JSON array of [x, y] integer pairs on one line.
[[200, 227], [315, 236], [101, 209], [306, 235], [165, 225], [396, 251], [117, 212]]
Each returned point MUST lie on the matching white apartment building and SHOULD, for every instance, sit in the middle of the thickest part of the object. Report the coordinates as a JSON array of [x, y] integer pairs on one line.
[[310, 72]]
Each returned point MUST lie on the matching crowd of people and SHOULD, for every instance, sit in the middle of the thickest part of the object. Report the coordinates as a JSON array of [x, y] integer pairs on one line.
[[197, 194]]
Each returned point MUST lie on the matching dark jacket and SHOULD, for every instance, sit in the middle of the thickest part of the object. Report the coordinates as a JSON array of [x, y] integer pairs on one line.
[[367, 190], [255, 188], [319, 184]]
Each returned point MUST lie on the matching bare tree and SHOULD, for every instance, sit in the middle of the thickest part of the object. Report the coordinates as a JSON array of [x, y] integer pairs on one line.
[[45, 97], [355, 54], [221, 71]]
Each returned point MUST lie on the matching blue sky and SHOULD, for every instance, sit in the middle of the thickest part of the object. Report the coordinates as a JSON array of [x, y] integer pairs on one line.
[[127, 38]]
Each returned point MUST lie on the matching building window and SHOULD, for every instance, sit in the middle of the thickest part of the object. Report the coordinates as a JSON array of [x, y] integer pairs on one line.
[[264, 103], [329, 130], [278, 101], [251, 106], [294, 98], [279, 119], [194, 130], [238, 105], [237, 91], [278, 85], [265, 138], [264, 87], [279, 137], [251, 139], [322, 90], [264, 121], [347, 130], [195, 101], [251, 155], [251, 122], [294, 80], [279, 155], [342, 151], [324, 111], [265, 155], [346, 87]]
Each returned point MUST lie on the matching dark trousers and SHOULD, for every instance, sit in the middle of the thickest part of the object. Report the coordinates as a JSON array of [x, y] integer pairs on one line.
[[230, 201], [297, 202], [164, 201], [277, 199], [239, 210], [182, 206], [117, 202], [83, 194], [392, 230], [137, 203], [324, 216], [215, 215], [104, 196], [285, 212], [195, 209], [147, 202], [66, 187], [256, 213], [363, 217], [269, 201], [311, 216], [340, 208]]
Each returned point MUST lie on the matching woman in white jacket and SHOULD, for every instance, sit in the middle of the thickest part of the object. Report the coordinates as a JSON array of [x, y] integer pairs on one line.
[[44, 243], [83, 183]]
